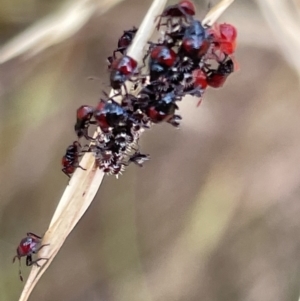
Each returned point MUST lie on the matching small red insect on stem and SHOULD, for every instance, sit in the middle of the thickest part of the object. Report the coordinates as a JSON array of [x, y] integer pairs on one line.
[[224, 38], [122, 69], [70, 161], [83, 121], [29, 245], [185, 9], [216, 78], [125, 41]]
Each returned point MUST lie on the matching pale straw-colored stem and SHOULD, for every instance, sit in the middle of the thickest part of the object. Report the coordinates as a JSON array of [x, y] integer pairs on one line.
[[215, 12], [85, 183], [283, 17], [53, 29]]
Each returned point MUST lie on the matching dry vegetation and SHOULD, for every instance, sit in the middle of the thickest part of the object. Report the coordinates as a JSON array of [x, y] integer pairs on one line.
[[213, 215]]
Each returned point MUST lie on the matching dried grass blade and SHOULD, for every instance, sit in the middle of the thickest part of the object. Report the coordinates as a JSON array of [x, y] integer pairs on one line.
[[84, 184], [53, 29], [215, 12], [283, 19]]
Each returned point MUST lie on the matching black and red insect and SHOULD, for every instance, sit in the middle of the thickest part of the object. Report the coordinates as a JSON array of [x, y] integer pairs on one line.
[[109, 114], [29, 245], [196, 41], [217, 77], [198, 83], [125, 41], [185, 9], [162, 58], [173, 37], [162, 55], [122, 69], [224, 38], [163, 108], [83, 121], [70, 161]]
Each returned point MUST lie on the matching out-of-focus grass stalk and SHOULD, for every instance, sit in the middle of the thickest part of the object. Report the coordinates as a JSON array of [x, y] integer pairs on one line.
[[283, 19], [85, 183], [53, 29], [215, 12]]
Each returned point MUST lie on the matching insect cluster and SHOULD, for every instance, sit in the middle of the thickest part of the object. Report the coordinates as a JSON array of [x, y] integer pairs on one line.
[[187, 58]]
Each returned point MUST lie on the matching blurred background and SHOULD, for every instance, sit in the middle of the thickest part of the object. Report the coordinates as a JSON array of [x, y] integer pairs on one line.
[[213, 216]]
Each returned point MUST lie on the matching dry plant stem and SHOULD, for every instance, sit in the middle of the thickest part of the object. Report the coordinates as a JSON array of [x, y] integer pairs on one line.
[[283, 19], [85, 183], [53, 29], [216, 12]]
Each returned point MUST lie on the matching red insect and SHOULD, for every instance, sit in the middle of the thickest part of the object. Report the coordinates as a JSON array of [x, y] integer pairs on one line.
[[199, 79], [200, 83], [184, 9], [163, 109], [84, 116], [29, 245], [163, 55], [122, 69], [173, 37], [125, 41], [216, 78], [224, 38], [162, 58], [70, 161], [195, 42], [109, 114]]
